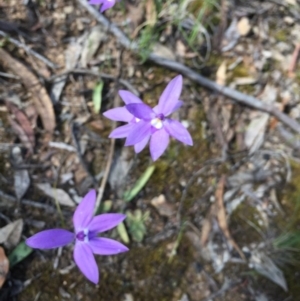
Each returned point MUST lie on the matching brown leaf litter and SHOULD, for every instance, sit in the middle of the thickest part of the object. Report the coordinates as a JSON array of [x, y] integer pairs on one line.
[[40, 96], [4, 267], [218, 211]]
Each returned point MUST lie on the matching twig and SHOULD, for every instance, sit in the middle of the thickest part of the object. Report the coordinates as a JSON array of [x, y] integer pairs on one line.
[[107, 167], [29, 50], [105, 176], [235, 95], [124, 82], [8, 75], [11, 198]]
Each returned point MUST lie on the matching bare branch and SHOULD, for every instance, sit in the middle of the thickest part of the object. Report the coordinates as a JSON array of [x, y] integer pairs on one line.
[[235, 95]]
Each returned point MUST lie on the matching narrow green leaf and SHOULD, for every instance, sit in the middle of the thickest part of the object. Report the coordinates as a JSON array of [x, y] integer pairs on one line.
[[123, 233], [106, 206], [97, 97], [140, 183], [20, 252]]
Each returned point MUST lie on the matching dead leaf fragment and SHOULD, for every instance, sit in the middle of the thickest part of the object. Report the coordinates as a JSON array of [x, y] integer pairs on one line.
[[91, 44], [221, 74], [151, 13], [23, 128], [254, 136], [221, 216], [244, 26], [162, 206], [4, 266], [21, 176], [163, 51], [57, 194], [265, 266], [205, 231], [291, 2], [40, 96], [10, 234]]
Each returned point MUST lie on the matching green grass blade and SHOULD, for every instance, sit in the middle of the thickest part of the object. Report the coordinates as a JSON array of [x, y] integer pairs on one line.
[[140, 183], [97, 97]]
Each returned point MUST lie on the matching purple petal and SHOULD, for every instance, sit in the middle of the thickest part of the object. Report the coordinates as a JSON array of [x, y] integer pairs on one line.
[[128, 97], [141, 111], [106, 5], [140, 131], [119, 114], [85, 260], [95, 2], [122, 131], [178, 131], [106, 246], [50, 239], [84, 211], [158, 143], [104, 222], [177, 105], [138, 147], [169, 98]]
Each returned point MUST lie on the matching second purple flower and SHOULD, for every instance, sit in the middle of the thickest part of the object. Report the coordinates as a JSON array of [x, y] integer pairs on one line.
[[145, 123]]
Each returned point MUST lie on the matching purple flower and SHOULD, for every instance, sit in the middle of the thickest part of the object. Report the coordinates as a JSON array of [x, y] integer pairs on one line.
[[87, 242], [145, 123], [105, 4]]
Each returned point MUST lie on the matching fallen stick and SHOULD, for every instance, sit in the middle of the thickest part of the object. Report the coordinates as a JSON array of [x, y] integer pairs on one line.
[[28, 50], [11, 198], [235, 95]]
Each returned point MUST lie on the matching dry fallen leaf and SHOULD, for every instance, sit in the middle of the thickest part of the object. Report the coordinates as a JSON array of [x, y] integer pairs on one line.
[[180, 48], [206, 229], [244, 26], [23, 128], [4, 267], [21, 176], [40, 96], [58, 195], [163, 51], [265, 266], [10, 234], [221, 216], [221, 74], [151, 16], [136, 14], [72, 54], [291, 2], [255, 132], [91, 44]]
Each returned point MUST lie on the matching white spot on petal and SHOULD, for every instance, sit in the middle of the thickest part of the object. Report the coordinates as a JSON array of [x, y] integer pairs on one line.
[[86, 235], [157, 123]]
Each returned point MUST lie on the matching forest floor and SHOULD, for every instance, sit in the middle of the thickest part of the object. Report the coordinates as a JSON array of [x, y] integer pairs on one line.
[[215, 221]]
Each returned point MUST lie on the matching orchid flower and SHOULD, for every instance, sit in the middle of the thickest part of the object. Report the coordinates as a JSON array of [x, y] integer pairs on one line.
[[86, 240], [105, 4], [145, 123]]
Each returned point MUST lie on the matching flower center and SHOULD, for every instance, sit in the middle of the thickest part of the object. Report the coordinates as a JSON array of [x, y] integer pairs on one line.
[[158, 121], [83, 235]]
